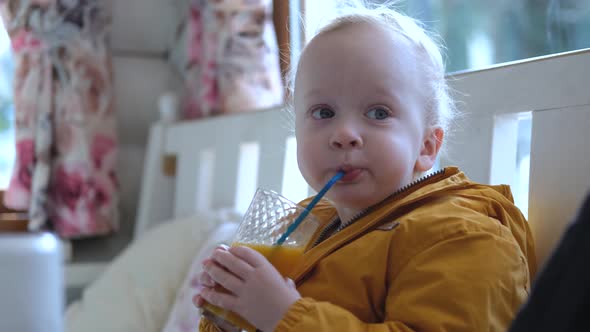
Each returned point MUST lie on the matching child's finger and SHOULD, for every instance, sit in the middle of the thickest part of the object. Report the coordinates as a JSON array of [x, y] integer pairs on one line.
[[198, 301], [231, 262], [249, 255], [223, 247], [223, 300], [206, 280], [224, 278]]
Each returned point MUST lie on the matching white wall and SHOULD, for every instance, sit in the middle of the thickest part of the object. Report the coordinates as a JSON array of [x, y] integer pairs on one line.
[[141, 34]]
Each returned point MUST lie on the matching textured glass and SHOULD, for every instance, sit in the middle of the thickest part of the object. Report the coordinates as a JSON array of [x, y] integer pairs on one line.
[[269, 216]]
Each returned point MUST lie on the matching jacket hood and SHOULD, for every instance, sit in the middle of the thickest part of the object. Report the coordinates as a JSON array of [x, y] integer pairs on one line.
[[494, 200]]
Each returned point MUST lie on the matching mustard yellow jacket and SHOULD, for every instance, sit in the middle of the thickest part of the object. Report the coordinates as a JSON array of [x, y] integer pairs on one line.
[[443, 254]]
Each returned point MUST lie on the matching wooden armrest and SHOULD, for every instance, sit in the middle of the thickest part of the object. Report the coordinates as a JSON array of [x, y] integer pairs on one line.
[[3, 208], [13, 225], [11, 220]]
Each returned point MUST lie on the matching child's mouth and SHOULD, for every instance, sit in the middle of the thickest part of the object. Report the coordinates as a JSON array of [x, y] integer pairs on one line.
[[351, 174]]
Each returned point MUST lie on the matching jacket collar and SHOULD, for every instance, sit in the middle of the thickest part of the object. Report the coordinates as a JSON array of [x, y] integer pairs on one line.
[[385, 210]]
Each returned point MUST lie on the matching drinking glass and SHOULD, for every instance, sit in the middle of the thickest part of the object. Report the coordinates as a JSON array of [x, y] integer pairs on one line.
[[267, 218]]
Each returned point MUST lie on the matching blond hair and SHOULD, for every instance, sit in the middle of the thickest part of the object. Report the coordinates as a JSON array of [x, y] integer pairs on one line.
[[440, 106]]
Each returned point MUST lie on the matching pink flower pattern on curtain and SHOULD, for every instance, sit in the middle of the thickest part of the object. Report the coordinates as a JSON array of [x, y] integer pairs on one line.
[[66, 142], [233, 58]]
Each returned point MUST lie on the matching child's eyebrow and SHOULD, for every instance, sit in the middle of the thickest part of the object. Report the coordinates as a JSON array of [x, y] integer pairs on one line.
[[392, 96], [388, 87], [313, 93]]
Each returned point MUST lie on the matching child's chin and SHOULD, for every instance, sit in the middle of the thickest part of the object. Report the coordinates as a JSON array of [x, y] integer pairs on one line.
[[355, 202]]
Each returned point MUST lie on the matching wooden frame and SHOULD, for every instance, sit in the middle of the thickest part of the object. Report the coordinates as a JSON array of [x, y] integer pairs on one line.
[[11, 220]]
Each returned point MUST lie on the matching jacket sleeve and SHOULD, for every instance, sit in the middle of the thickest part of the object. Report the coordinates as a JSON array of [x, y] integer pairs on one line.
[[466, 282], [205, 325]]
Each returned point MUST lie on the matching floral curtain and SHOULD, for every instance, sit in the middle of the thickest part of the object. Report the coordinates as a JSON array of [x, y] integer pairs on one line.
[[65, 123], [233, 60]]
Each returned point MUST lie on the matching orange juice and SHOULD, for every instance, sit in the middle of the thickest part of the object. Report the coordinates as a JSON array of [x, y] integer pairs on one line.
[[283, 258]]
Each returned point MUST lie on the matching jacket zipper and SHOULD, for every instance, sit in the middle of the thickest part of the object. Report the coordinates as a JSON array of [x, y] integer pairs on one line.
[[333, 224]]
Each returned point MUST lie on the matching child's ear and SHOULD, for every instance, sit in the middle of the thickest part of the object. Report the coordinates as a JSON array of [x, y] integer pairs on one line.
[[429, 150]]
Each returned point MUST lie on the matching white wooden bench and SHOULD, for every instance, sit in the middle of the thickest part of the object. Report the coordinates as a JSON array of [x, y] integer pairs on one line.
[[221, 161]]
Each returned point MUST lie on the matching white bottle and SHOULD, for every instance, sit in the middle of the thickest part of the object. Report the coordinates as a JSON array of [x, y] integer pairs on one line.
[[31, 283]]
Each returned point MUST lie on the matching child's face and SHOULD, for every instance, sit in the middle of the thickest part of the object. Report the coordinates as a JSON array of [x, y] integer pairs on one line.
[[359, 108]]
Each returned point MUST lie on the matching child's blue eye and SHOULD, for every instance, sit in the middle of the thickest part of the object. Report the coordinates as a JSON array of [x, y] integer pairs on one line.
[[378, 114], [322, 113]]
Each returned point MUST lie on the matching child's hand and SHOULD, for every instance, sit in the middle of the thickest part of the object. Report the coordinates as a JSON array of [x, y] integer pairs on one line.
[[259, 293], [205, 279]]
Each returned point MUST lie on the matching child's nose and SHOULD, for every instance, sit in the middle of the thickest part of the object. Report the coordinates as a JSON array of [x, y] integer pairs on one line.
[[345, 138]]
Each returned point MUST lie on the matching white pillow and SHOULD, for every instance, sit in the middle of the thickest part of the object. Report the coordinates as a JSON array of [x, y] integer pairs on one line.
[[137, 290], [184, 317]]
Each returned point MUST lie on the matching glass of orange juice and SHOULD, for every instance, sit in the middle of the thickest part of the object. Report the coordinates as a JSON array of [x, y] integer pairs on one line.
[[267, 218]]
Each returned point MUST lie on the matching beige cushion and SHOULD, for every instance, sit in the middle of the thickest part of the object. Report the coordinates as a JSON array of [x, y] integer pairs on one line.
[[137, 290], [184, 317]]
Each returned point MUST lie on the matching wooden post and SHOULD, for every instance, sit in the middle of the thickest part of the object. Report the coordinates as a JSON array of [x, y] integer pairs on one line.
[[11, 220]]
